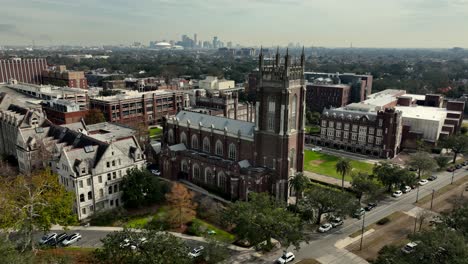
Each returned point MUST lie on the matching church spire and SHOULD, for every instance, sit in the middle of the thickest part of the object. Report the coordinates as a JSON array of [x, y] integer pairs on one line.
[[287, 59], [277, 59], [260, 59], [303, 57]]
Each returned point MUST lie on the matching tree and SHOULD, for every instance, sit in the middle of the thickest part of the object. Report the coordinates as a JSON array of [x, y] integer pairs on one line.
[[392, 175], [182, 208], [422, 162], [263, 218], [362, 184], [159, 248], [215, 252], [312, 118], [33, 203], [457, 144], [321, 200], [464, 130], [458, 220], [442, 161], [94, 116], [299, 182], [140, 188], [343, 167], [11, 255]]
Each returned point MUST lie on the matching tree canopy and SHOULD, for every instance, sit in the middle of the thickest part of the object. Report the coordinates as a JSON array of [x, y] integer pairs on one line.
[[363, 184], [94, 116], [263, 218], [299, 183], [343, 167], [159, 248], [182, 208], [141, 188], [457, 144], [392, 175], [422, 162]]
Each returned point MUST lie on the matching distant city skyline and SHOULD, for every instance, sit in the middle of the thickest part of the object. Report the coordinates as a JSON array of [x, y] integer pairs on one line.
[[328, 23]]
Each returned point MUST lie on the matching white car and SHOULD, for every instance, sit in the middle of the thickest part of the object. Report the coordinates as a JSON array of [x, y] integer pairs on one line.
[[410, 247], [316, 149], [196, 252], [287, 257], [156, 172], [335, 222], [71, 239], [423, 182], [397, 193], [47, 238], [138, 243], [325, 228], [406, 189]]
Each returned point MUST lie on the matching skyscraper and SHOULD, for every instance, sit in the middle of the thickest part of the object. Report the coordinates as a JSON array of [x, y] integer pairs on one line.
[[195, 40]]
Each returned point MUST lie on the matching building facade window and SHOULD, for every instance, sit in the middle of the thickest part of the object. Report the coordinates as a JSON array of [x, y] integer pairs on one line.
[[206, 145], [271, 114], [196, 172], [379, 132], [355, 128], [293, 119], [82, 199], [378, 140], [371, 130], [101, 193], [219, 148], [324, 123], [110, 190], [346, 126], [100, 179], [209, 176], [292, 158], [184, 166], [194, 142], [183, 138], [345, 135], [232, 152], [331, 124], [353, 136], [338, 125], [221, 179], [90, 195], [170, 136]]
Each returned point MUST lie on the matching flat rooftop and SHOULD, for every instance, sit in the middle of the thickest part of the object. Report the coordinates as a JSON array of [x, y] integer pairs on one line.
[[132, 95], [425, 112], [107, 132], [47, 89], [21, 99]]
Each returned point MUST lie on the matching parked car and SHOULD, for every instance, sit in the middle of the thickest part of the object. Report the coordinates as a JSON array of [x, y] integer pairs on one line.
[[397, 194], [458, 166], [370, 206], [138, 243], [410, 247], [406, 189], [325, 228], [58, 239], [465, 163], [125, 243], [432, 178], [450, 169], [412, 169], [285, 258], [47, 238], [156, 172], [196, 252], [316, 149], [73, 238], [423, 182], [337, 221], [359, 212]]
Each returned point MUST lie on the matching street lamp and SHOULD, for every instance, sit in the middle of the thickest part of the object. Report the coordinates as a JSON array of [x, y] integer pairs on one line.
[[453, 175], [362, 229], [417, 194], [432, 199]]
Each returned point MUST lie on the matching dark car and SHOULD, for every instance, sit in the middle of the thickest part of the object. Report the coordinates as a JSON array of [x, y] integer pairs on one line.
[[58, 239], [465, 163], [450, 169], [458, 166], [370, 206], [412, 169], [432, 178]]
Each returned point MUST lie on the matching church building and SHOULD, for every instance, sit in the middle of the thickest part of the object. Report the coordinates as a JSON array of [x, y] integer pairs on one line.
[[233, 157]]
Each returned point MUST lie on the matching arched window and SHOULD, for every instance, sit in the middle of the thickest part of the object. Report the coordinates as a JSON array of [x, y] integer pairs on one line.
[[209, 176], [292, 158], [206, 145], [232, 154], [194, 142], [90, 195], [166, 166], [183, 138], [170, 136], [196, 172], [219, 148], [221, 180], [293, 119], [82, 198], [271, 113], [101, 193], [184, 166]]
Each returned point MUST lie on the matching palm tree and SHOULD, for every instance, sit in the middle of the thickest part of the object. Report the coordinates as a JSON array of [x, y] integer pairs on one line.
[[299, 182], [343, 167]]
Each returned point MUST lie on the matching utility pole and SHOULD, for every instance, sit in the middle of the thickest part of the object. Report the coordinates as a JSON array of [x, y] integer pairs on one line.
[[362, 229], [415, 223], [417, 194], [432, 199], [453, 175]]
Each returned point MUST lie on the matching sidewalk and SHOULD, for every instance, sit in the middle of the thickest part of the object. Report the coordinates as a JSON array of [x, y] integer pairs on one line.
[[329, 180]]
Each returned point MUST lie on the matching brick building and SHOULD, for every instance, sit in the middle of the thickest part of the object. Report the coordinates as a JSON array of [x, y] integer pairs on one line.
[[60, 76], [236, 157], [62, 112], [320, 96], [22, 70], [133, 106]]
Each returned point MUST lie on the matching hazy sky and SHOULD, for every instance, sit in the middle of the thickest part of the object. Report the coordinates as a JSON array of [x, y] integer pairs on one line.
[[332, 23]]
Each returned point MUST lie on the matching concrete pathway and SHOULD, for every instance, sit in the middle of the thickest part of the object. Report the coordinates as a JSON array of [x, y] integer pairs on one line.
[[327, 179]]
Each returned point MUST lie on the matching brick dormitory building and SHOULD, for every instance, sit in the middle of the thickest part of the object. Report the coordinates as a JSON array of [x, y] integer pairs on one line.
[[389, 121], [236, 157]]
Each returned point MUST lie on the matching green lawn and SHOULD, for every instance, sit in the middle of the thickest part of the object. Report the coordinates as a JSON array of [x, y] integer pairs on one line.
[[155, 132], [313, 129], [324, 164], [141, 221], [220, 234]]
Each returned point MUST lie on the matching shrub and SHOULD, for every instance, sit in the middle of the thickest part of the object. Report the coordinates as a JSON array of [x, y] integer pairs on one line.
[[158, 224], [383, 221], [107, 218], [436, 150], [195, 229]]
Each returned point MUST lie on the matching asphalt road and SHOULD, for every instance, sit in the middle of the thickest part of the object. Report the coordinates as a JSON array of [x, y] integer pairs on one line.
[[322, 245]]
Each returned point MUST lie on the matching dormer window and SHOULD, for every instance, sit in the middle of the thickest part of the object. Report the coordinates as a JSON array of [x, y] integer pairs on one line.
[[83, 170]]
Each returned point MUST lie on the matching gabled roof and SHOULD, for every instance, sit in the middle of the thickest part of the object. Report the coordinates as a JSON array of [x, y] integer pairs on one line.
[[232, 126]]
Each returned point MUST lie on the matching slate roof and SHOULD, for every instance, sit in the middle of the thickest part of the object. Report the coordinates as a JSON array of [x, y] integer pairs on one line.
[[219, 123]]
